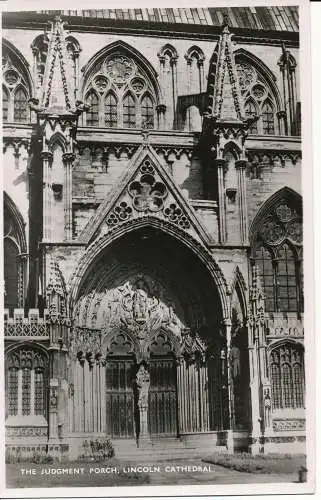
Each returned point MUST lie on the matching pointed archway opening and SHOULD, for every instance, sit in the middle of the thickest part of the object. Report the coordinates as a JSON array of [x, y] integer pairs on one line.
[[148, 319]]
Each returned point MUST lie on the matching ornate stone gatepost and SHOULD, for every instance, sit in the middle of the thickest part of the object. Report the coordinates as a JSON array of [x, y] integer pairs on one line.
[[143, 383]]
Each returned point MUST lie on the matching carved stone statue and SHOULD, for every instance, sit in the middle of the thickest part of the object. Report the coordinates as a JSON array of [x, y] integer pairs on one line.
[[143, 383], [235, 358], [267, 409], [140, 302]]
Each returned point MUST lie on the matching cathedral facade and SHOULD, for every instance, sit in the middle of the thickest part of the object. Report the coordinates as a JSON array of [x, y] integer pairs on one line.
[[153, 230]]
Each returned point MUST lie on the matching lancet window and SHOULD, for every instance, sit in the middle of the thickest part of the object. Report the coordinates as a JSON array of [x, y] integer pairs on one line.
[[26, 382], [15, 93], [277, 253], [259, 99], [120, 94], [286, 365]]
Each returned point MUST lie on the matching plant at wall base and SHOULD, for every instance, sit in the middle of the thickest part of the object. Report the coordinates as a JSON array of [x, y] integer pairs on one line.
[[102, 449], [42, 458]]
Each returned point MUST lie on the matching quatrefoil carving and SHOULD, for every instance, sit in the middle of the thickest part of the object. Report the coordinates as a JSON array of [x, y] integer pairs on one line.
[[148, 194]]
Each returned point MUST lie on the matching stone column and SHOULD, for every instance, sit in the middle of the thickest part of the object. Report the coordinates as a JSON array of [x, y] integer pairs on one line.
[[161, 110], [221, 164], [281, 115], [240, 166], [174, 83], [47, 193], [230, 440], [143, 383], [68, 159]]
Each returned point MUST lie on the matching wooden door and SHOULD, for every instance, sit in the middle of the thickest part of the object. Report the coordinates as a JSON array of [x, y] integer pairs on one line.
[[162, 411], [120, 398]]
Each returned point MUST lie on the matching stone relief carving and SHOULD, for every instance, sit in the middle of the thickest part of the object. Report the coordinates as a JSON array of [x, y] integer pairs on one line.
[[138, 306]]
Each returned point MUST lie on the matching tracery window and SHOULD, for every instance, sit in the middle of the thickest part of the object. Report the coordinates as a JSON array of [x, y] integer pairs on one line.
[[110, 110], [5, 105], [15, 93], [26, 382], [147, 111], [93, 109], [250, 112], [124, 95], [14, 247], [277, 253], [129, 111], [20, 106], [286, 365], [258, 98]]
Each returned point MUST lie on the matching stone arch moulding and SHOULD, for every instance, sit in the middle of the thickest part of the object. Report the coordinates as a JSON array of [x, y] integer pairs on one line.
[[95, 250], [196, 52], [120, 46], [18, 219], [284, 193], [238, 281], [57, 139], [286, 340], [34, 346], [263, 70], [23, 64]]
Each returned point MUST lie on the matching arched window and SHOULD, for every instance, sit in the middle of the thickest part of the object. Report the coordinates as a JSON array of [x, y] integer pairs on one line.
[[15, 89], [125, 93], [287, 281], [129, 111], [26, 382], [286, 366], [20, 106], [259, 96], [92, 114], [263, 259], [110, 110], [250, 112], [39, 49], [11, 253], [268, 119], [195, 69], [147, 112], [277, 253], [15, 248], [5, 105]]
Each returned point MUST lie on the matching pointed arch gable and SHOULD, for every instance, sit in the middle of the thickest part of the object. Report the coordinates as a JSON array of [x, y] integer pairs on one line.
[[284, 193], [145, 153], [57, 139], [121, 46], [196, 52]]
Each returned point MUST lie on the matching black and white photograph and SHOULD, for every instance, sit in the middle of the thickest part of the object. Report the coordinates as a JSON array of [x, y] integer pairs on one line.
[[153, 259]]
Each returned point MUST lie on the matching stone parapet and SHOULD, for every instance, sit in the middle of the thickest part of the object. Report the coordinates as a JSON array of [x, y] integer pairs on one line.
[[31, 325], [284, 325]]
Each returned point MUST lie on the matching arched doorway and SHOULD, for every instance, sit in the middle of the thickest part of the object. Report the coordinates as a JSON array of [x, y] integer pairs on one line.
[[149, 301]]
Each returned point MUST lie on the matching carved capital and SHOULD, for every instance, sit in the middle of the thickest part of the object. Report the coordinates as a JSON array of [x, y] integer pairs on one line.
[[241, 164], [46, 156], [161, 108], [68, 157]]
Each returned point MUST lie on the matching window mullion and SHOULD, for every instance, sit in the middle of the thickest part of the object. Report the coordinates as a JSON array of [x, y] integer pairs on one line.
[[32, 392], [20, 391], [275, 284], [101, 111]]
